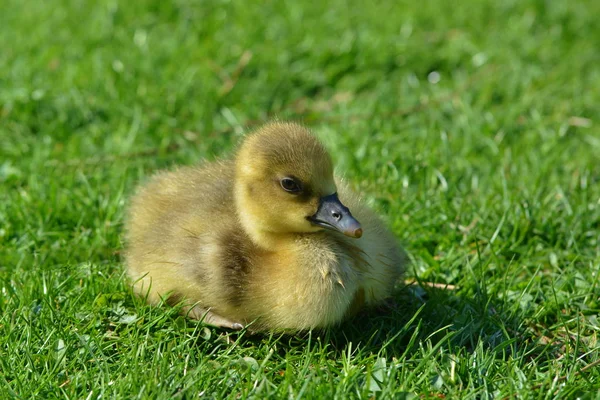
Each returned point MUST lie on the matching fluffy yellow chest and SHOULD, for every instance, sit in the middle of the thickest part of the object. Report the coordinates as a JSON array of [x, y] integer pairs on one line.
[[307, 284]]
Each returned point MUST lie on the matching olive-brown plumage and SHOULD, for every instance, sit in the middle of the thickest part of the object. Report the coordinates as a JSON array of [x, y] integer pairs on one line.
[[264, 239]]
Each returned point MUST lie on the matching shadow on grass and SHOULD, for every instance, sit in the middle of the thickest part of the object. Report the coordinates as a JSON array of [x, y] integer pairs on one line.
[[457, 321]]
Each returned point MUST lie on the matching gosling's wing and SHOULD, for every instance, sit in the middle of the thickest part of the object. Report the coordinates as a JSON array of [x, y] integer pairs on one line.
[[175, 196], [384, 258], [171, 217]]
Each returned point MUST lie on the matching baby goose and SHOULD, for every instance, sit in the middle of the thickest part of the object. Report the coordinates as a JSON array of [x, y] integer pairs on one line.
[[266, 238]]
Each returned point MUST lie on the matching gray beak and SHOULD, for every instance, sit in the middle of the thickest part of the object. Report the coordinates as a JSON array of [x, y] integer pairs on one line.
[[332, 214]]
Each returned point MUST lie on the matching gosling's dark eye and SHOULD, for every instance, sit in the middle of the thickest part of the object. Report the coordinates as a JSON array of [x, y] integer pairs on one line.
[[291, 185]]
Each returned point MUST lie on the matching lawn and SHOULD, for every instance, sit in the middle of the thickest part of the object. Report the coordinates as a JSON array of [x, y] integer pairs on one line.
[[472, 127]]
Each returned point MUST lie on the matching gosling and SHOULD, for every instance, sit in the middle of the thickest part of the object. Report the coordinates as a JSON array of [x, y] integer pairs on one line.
[[267, 239]]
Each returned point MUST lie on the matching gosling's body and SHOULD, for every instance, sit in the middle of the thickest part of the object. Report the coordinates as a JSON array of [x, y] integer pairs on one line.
[[223, 240]]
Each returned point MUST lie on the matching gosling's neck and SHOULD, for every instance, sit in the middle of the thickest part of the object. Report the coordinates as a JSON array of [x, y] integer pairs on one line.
[[255, 228], [266, 240]]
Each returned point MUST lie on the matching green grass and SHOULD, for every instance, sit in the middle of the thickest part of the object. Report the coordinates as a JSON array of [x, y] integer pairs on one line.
[[490, 177]]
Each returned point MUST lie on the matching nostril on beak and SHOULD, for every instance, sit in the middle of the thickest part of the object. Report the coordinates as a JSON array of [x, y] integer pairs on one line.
[[337, 216]]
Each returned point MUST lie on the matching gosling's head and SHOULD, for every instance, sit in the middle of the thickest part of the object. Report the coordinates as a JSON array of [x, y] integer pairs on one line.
[[285, 184]]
